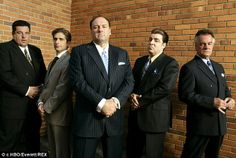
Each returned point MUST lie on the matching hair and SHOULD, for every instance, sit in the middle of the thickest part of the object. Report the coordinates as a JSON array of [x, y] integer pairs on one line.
[[94, 18], [64, 31], [203, 32], [19, 23], [165, 36]]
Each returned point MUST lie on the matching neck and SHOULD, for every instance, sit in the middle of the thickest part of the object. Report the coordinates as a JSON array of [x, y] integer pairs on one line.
[[102, 44]]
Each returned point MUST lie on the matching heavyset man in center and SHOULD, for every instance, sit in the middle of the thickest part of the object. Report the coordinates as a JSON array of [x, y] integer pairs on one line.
[[102, 78]]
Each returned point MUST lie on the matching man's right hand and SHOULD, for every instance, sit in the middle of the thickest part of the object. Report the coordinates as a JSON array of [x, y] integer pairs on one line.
[[220, 105], [109, 108], [33, 91]]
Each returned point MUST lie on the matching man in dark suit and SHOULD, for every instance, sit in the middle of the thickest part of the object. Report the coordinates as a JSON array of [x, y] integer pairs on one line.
[[150, 114], [203, 87], [102, 79], [22, 71], [55, 101]]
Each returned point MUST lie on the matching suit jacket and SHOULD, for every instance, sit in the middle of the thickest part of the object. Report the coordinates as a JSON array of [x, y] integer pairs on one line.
[[156, 86], [91, 83], [198, 87], [16, 75], [57, 93]]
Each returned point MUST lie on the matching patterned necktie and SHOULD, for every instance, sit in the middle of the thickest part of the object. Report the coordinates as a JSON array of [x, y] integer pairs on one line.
[[145, 68], [27, 56], [210, 66], [105, 60], [52, 64]]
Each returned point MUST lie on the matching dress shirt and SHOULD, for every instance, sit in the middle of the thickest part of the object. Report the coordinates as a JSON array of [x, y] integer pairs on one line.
[[102, 102]]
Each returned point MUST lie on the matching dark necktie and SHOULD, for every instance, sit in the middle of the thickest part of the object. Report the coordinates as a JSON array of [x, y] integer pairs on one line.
[[27, 56], [210, 66], [52, 64], [145, 68]]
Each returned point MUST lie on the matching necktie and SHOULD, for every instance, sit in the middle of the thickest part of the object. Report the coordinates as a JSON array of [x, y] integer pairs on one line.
[[105, 60], [27, 56], [146, 67], [52, 64], [210, 66]]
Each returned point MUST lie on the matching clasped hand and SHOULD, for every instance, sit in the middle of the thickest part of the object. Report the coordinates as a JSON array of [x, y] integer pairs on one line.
[[109, 108], [134, 101], [227, 103]]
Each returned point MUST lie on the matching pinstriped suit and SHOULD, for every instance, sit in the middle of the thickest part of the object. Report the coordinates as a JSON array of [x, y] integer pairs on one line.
[[91, 83]]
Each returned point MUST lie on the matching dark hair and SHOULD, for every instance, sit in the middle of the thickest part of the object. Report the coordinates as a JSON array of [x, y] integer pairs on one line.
[[165, 36], [204, 32], [64, 31], [19, 23], [94, 18]]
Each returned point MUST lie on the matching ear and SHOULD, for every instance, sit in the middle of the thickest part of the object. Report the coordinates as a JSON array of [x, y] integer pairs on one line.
[[164, 45]]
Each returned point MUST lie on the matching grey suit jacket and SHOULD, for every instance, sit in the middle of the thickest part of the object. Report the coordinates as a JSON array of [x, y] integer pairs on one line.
[[57, 93], [197, 88], [91, 83]]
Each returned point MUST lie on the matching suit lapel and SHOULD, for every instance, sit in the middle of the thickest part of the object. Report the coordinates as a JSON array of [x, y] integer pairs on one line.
[[218, 73], [113, 62], [203, 67], [21, 56], [92, 51], [58, 63]]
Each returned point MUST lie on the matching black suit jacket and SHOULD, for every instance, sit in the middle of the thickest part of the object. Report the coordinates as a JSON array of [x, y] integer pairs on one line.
[[16, 75], [156, 86], [198, 87], [91, 83]]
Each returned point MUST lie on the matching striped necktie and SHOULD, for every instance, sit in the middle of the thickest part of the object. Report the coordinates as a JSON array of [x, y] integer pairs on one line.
[[105, 60], [27, 56], [145, 68], [210, 66]]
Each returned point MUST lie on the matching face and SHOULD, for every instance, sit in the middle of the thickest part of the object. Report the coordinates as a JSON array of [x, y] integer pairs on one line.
[[204, 45], [100, 30], [60, 42], [156, 45], [21, 35]]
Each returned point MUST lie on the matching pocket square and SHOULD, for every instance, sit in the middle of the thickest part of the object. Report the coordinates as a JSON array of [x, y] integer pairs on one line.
[[121, 63], [222, 74]]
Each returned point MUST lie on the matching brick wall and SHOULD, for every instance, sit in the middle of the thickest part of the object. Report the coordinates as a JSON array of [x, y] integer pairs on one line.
[[132, 20], [43, 15]]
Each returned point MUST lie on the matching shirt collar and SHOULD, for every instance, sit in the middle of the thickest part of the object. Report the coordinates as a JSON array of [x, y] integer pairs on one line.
[[100, 49], [23, 48], [61, 53], [204, 59], [154, 57]]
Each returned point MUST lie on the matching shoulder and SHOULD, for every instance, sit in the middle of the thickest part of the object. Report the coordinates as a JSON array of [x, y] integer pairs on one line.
[[34, 48], [168, 58], [117, 49], [7, 44]]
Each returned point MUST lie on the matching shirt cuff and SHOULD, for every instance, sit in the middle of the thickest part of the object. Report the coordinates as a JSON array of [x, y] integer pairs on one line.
[[117, 102], [100, 105], [27, 92], [40, 103]]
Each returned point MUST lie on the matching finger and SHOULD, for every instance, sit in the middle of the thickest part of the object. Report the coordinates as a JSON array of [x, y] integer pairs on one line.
[[221, 110]]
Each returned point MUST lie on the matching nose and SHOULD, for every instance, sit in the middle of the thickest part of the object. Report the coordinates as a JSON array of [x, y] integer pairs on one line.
[[151, 41]]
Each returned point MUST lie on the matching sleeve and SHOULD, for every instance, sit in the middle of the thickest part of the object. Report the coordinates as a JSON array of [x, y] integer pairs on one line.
[[77, 78], [7, 76], [164, 86], [187, 90]]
